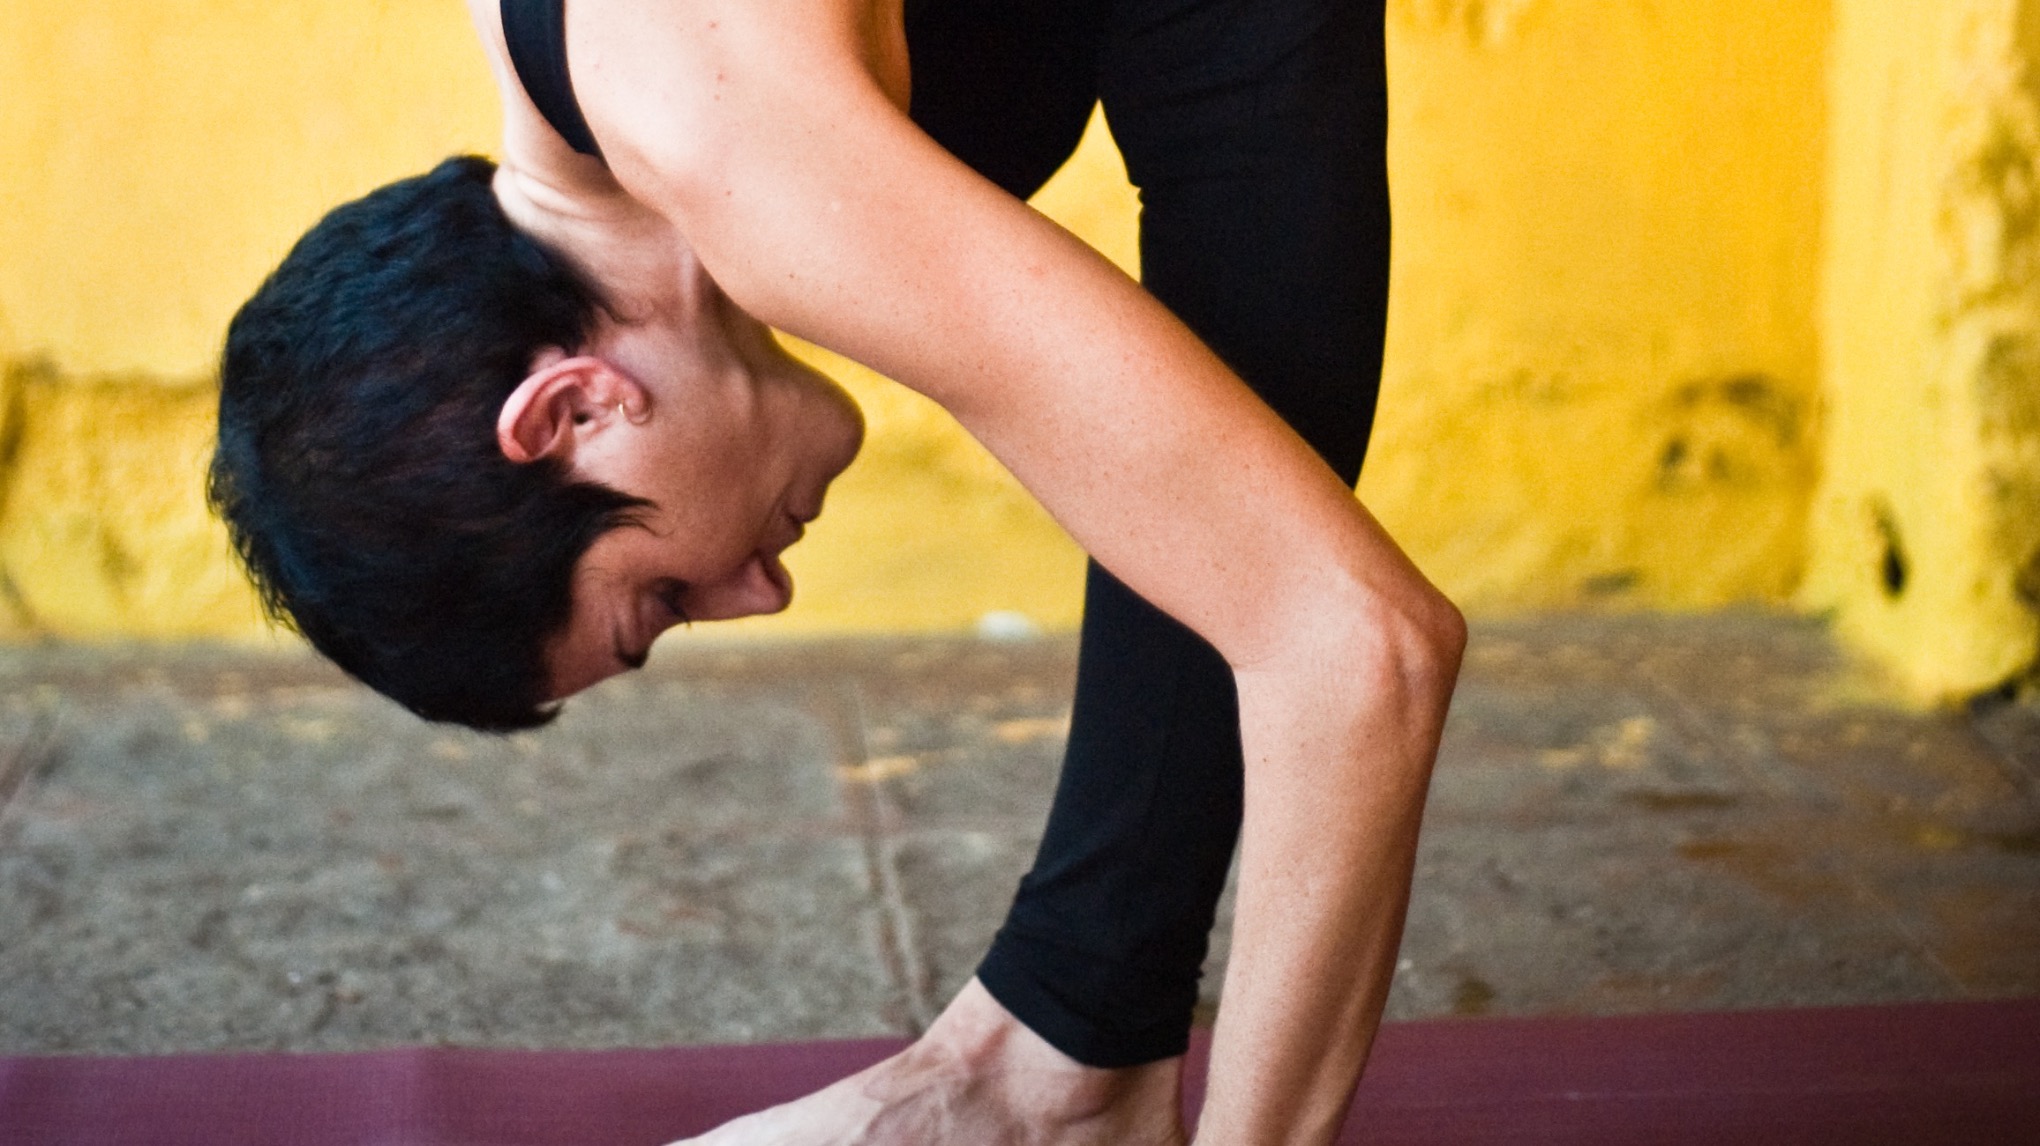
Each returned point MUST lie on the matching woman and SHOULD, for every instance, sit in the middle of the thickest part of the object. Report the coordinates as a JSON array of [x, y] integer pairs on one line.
[[850, 171]]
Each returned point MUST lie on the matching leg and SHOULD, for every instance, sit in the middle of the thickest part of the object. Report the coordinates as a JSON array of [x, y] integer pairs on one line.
[[975, 63], [1007, 88], [1259, 153], [1265, 227]]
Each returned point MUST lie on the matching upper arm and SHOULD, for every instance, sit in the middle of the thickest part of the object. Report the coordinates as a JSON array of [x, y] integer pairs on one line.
[[820, 208]]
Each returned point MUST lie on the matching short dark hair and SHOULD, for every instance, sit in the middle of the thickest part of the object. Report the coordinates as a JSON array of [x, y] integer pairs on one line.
[[357, 467]]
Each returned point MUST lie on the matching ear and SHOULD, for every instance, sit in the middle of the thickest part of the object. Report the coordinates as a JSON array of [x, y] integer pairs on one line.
[[560, 402]]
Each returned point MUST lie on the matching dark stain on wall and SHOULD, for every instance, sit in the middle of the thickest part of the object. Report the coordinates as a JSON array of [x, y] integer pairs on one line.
[[1894, 568], [2027, 581], [2008, 387], [1737, 431], [1612, 584]]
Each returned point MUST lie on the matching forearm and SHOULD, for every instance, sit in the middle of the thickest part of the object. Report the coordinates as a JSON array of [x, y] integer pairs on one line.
[[853, 230], [1339, 743]]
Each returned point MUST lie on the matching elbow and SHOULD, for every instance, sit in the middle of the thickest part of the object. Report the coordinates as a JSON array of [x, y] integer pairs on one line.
[[1444, 638], [1366, 679], [1404, 640], [1408, 652], [1421, 637]]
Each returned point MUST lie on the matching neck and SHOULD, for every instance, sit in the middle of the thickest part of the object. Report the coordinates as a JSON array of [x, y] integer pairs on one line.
[[641, 265]]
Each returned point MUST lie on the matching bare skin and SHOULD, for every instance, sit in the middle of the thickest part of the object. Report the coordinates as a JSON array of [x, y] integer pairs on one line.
[[762, 146], [977, 1076]]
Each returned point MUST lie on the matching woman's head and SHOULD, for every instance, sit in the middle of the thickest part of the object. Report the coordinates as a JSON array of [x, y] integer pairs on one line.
[[730, 443], [366, 442]]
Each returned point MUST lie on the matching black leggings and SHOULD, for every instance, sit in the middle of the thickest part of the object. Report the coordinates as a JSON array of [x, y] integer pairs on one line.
[[1255, 130]]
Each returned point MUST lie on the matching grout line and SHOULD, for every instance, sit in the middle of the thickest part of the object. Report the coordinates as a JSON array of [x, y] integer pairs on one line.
[[898, 942], [18, 765], [2020, 770]]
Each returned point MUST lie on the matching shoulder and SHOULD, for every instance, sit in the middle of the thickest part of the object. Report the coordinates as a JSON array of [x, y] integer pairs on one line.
[[670, 85], [531, 147], [673, 80]]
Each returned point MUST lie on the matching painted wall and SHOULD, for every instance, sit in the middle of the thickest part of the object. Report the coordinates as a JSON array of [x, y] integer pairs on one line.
[[1927, 526], [1606, 379], [155, 160], [1602, 371]]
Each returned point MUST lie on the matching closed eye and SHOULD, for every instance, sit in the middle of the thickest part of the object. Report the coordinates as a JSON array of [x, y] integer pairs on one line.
[[671, 592], [667, 591]]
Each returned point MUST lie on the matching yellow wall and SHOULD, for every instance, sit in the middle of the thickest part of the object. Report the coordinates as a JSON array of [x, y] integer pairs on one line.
[[101, 530], [156, 160], [160, 156], [1602, 369], [1927, 529], [1606, 379]]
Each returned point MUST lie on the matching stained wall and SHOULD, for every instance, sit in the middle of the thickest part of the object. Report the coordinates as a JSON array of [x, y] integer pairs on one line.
[[1603, 376], [1693, 304], [1926, 528]]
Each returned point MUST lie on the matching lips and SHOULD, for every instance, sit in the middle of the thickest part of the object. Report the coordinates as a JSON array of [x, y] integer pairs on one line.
[[768, 556], [775, 572]]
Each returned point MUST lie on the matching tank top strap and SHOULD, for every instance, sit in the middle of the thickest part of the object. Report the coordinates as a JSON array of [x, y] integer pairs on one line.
[[536, 32]]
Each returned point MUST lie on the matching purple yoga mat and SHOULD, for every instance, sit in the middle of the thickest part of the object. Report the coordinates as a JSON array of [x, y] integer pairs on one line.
[[1933, 1073]]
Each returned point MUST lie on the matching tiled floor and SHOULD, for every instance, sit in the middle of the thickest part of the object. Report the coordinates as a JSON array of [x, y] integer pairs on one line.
[[203, 849]]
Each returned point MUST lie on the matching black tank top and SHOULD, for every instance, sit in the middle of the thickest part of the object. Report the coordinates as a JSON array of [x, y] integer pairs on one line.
[[536, 32]]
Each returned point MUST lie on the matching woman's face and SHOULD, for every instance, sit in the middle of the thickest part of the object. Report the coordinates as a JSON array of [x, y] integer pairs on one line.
[[734, 444]]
